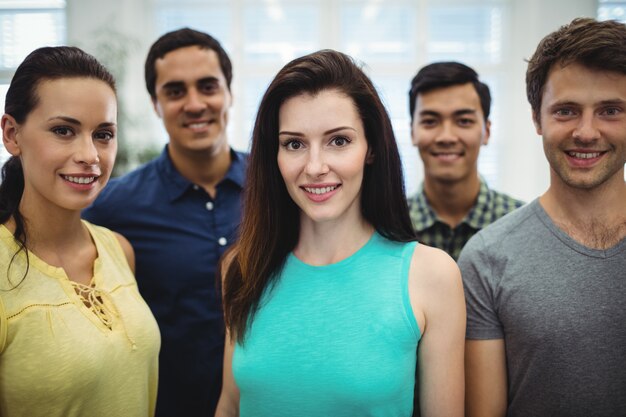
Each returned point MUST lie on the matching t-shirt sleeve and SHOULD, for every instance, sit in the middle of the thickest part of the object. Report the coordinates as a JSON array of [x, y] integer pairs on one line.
[[478, 282]]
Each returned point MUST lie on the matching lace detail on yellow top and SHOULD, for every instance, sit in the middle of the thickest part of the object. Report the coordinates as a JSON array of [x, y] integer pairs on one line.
[[93, 298]]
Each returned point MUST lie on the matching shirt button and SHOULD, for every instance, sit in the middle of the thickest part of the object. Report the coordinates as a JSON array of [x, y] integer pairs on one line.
[[222, 241], [209, 205], [195, 187]]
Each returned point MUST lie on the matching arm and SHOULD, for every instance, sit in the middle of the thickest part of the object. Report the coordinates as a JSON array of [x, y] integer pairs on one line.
[[128, 250], [228, 404], [436, 293], [485, 378], [485, 354]]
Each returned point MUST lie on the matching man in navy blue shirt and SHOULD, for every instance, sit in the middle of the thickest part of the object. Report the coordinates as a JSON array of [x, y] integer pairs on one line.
[[180, 212]]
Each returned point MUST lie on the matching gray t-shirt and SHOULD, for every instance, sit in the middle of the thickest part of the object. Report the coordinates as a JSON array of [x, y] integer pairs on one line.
[[560, 308]]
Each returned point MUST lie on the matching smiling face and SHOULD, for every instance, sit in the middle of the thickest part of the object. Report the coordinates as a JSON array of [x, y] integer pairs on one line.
[[583, 124], [448, 129], [322, 155], [193, 99], [66, 144]]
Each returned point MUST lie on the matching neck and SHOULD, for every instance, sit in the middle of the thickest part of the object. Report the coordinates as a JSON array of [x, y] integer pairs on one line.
[[331, 242], [594, 217], [452, 201], [51, 228], [205, 169]]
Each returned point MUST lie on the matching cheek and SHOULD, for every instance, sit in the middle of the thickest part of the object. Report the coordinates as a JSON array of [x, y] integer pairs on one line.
[[283, 166], [108, 152], [423, 138]]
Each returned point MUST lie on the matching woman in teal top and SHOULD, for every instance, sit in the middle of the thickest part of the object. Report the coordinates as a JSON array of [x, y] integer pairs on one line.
[[326, 294]]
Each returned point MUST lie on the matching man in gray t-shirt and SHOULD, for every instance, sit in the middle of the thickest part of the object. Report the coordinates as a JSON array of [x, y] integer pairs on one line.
[[546, 285]]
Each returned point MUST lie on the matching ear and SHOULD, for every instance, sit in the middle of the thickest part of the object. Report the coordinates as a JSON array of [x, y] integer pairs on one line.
[[537, 123], [413, 137], [369, 157], [10, 130], [487, 134]]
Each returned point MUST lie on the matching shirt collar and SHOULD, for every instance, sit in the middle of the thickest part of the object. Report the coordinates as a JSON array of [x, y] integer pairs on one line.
[[476, 218], [481, 213], [176, 185]]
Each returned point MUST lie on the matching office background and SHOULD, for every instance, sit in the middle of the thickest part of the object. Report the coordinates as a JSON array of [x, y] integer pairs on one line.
[[392, 38]]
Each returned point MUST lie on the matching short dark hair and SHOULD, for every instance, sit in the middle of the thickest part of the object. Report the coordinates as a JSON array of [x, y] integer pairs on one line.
[[271, 219], [593, 44], [446, 74], [179, 39]]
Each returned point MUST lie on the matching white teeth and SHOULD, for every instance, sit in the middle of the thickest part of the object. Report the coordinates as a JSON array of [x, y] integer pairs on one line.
[[197, 125], [322, 190], [584, 155], [80, 180]]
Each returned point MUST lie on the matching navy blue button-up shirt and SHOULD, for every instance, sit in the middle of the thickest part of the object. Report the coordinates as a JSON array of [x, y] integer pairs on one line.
[[179, 233]]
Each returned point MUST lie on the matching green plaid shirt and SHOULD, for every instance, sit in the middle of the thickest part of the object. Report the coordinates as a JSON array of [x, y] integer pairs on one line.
[[431, 230]]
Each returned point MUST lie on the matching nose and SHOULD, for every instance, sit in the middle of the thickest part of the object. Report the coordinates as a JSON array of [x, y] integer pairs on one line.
[[194, 102], [86, 151], [586, 130], [447, 133], [316, 165]]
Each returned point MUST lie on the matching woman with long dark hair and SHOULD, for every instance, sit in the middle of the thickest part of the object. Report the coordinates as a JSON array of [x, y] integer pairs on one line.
[[327, 294], [76, 338]]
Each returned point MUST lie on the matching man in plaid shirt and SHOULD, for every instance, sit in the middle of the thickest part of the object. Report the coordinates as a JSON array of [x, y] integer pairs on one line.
[[449, 122]]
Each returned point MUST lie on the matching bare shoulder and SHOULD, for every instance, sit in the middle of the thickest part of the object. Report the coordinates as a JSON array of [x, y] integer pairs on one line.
[[436, 293], [128, 250], [432, 267]]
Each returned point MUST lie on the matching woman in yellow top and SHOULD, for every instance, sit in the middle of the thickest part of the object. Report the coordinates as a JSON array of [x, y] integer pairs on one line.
[[76, 338]]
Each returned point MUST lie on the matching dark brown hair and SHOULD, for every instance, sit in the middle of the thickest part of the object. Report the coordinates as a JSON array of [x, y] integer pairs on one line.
[[271, 222], [48, 63], [596, 45]]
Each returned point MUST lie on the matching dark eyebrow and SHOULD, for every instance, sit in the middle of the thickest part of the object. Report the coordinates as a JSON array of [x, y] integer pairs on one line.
[[460, 112], [208, 80], [171, 85], [613, 102], [66, 119], [463, 112], [76, 122], [328, 132], [337, 129], [284, 132]]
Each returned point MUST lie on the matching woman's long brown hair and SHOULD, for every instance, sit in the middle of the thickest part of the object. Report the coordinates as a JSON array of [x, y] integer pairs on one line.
[[270, 225]]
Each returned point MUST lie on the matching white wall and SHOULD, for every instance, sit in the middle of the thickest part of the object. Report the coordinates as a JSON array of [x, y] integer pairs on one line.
[[522, 163]]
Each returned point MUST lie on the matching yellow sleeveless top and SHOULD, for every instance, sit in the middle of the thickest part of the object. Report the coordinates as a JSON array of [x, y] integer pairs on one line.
[[73, 350]]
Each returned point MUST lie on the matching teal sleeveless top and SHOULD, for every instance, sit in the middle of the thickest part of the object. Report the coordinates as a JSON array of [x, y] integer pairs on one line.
[[334, 340]]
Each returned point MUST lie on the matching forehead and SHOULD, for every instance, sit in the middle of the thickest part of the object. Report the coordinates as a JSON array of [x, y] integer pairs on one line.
[[579, 84], [327, 109], [81, 98], [188, 64], [449, 99]]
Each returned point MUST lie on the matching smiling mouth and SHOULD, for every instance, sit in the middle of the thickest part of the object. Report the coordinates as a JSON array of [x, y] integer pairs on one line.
[[320, 190], [584, 155], [79, 180], [198, 125]]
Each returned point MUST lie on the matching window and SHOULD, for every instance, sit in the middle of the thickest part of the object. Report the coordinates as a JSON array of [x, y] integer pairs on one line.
[[612, 10], [26, 25], [393, 38]]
